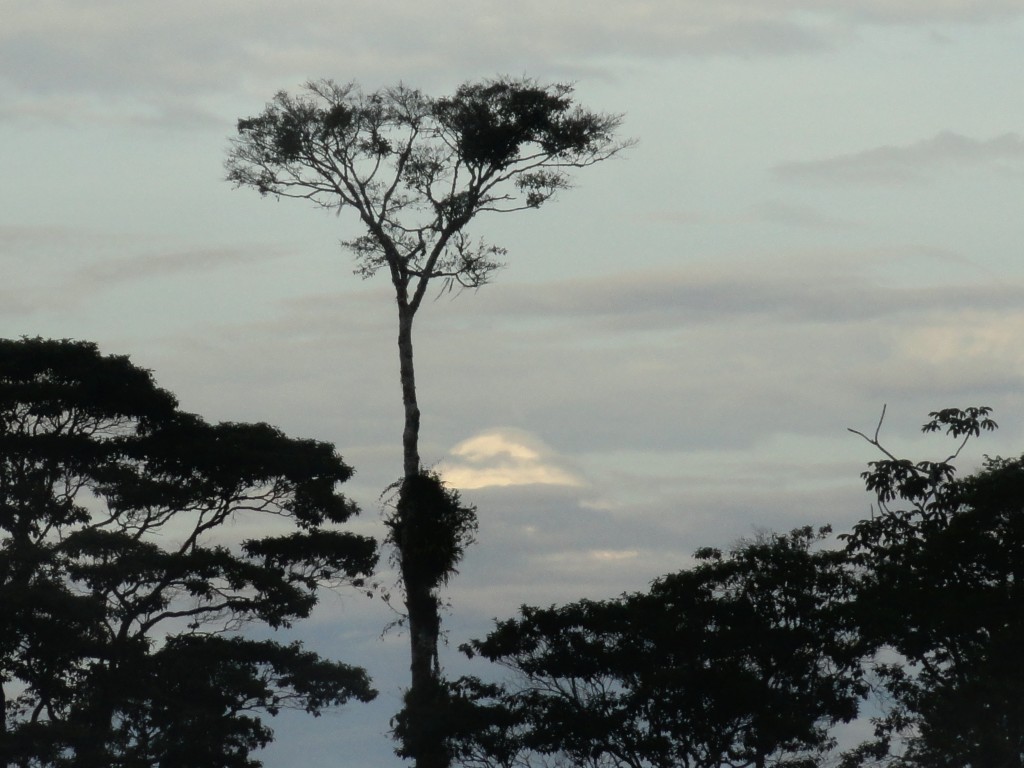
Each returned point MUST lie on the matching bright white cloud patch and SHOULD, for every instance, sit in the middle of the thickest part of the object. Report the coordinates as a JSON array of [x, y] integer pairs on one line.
[[505, 457], [613, 554]]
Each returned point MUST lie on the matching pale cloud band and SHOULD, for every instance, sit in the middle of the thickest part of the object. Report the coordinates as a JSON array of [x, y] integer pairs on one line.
[[505, 457], [907, 163], [182, 51]]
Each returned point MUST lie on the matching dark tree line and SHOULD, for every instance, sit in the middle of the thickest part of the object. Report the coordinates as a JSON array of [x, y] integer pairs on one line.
[[740, 661], [121, 587], [752, 657], [123, 595]]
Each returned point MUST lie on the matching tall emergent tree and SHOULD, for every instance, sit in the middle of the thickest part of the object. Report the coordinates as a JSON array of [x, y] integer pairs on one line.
[[120, 584], [416, 171]]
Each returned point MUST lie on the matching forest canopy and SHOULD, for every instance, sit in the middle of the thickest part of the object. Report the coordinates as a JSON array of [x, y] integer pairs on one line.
[[124, 595], [913, 620], [123, 589]]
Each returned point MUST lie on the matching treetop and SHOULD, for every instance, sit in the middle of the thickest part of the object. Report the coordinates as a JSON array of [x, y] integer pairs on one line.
[[418, 169]]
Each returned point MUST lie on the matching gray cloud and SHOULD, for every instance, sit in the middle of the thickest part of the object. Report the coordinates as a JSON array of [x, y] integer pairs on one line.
[[779, 212], [622, 363], [171, 57], [76, 110], [773, 211], [928, 11], [72, 266], [147, 266], [783, 291], [39, 240], [907, 163]]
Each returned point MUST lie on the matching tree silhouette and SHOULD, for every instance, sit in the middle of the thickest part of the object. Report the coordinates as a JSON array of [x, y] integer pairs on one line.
[[751, 657], [120, 585], [940, 587], [416, 171], [745, 660]]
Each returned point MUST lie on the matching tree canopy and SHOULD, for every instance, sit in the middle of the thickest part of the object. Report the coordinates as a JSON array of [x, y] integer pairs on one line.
[[747, 659], [913, 620], [122, 589], [416, 171], [941, 568]]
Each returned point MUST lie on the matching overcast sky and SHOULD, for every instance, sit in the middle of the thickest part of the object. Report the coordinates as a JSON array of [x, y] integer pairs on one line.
[[822, 215]]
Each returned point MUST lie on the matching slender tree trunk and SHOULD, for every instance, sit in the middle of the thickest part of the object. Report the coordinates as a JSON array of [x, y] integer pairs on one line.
[[425, 741], [411, 431]]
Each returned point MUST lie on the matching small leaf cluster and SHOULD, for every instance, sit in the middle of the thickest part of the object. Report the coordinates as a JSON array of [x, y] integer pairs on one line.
[[430, 529]]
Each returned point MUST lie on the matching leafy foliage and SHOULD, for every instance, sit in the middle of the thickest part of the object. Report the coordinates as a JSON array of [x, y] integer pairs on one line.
[[418, 169], [940, 586], [119, 588], [752, 657], [429, 546], [922, 483], [744, 660]]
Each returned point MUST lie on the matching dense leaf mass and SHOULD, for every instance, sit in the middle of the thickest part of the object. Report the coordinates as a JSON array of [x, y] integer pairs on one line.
[[430, 546], [941, 585], [120, 585], [751, 658], [746, 659]]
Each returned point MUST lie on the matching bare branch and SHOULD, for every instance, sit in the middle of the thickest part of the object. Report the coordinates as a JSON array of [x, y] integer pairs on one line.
[[874, 440]]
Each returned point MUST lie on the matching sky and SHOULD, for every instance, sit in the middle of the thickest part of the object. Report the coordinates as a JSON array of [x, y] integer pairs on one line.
[[820, 217]]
